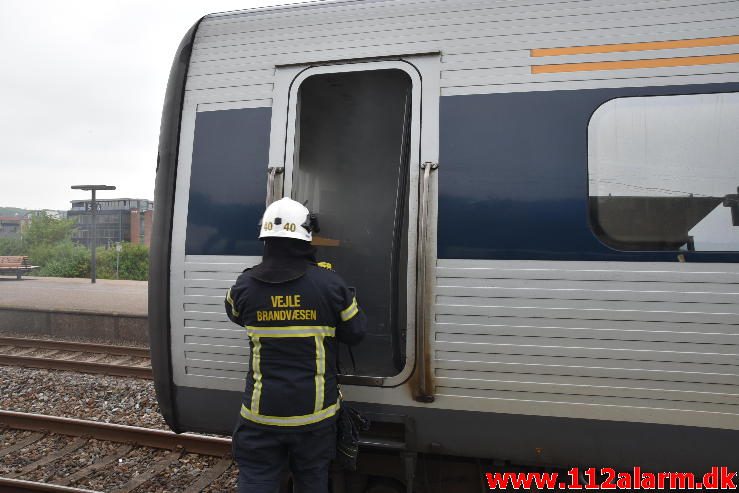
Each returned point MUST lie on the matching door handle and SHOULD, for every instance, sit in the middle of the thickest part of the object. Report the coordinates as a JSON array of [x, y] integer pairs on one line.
[[425, 388], [272, 172]]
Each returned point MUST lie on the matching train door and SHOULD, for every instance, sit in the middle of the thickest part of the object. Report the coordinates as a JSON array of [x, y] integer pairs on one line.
[[353, 148]]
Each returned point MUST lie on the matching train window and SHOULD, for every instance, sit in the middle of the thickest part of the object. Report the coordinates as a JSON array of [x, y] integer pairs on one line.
[[664, 172], [230, 147], [351, 167]]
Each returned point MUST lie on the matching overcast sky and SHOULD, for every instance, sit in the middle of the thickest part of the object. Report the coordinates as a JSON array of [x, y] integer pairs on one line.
[[82, 86]]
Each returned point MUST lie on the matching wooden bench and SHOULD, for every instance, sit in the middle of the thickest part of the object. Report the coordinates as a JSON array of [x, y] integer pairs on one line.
[[15, 264]]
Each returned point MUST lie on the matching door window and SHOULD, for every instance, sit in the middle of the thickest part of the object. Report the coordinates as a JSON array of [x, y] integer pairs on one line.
[[351, 167]]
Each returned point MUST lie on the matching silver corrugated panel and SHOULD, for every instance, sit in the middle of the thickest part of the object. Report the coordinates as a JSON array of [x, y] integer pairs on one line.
[[662, 337], [208, 350], [485, 45]]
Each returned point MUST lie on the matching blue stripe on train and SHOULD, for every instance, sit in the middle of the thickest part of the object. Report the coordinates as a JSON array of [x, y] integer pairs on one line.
[[513, 180], [512, 183]]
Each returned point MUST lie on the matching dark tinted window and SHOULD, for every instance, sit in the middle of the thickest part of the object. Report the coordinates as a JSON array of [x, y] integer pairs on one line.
[[228, 182]]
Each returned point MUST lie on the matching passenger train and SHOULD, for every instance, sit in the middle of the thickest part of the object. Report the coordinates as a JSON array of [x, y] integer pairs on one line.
[[536, 201]]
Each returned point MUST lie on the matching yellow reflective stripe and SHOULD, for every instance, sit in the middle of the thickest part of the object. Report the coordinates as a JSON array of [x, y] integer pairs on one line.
[[351, 314], [292, 331], [350, 311], [290, 327], [320, 371], [230, 300], [256, 360], [305, 419], [286, 335]]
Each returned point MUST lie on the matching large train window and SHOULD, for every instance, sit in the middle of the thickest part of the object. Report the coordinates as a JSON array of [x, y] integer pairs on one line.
[[664, 172]]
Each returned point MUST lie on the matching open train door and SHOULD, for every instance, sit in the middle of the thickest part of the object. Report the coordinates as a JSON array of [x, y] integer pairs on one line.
[[351, 141]]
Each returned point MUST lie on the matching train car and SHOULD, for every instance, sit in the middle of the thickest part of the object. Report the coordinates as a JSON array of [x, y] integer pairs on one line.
[[536, 201]]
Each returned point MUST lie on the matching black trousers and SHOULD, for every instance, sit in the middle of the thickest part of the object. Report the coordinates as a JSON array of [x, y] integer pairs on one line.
[[263, 454]]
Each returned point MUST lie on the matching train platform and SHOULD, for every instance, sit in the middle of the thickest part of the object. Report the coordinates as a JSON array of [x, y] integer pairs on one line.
[[63, 294], [109, 310]]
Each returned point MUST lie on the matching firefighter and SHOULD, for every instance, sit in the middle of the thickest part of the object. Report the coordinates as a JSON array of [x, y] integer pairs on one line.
[[294, 312]]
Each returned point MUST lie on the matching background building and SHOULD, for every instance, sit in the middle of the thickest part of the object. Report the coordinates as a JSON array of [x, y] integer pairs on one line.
[[141, 222], [47, 212], [117, 220], [10, 227]]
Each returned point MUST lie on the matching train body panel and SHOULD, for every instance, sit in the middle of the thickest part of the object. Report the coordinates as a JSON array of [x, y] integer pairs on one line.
[[540, 284]]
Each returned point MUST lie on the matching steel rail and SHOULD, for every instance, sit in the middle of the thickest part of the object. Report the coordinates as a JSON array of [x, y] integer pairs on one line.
[[78, 366], [82, 347], [8, 485], [147, 437]]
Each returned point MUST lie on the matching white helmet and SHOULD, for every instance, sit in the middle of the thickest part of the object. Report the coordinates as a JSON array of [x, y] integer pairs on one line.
[[286, 218]]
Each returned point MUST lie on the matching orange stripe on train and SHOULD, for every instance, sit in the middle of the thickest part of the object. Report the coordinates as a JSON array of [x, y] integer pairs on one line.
[[635, 64], [652, 45]]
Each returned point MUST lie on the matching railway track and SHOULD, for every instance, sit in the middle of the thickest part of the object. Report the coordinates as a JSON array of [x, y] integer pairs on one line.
[[124, 361], [92, 456]]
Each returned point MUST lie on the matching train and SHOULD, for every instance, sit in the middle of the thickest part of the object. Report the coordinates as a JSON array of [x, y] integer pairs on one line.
[[535, 200]]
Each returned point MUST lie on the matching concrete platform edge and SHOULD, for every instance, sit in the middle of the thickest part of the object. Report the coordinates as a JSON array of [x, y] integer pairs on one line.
[[76, 324]]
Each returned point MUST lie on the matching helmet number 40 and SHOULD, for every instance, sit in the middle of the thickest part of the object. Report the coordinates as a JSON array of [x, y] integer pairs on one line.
[[268, 226]]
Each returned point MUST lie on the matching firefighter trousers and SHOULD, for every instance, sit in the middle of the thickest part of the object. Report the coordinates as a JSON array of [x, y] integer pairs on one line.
[[263, 456]]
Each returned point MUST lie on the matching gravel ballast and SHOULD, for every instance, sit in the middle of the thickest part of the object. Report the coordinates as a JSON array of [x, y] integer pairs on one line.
[[10, 437], [110, 399], [15, 463], [136, 462], [127, 401], [92, 451], [227, 481], [179, 475]]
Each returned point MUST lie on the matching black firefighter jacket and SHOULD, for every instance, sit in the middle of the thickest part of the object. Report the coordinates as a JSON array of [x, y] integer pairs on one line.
[[293, 329]]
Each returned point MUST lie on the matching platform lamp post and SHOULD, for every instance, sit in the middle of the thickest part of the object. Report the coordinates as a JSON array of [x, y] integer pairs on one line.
[[93, 240]]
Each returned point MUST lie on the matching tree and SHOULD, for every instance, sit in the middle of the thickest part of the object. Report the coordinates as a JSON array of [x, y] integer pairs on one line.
[[64, 259], [48, 243], [11, 246], [46, 230], [133, 262], [13, 212]]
